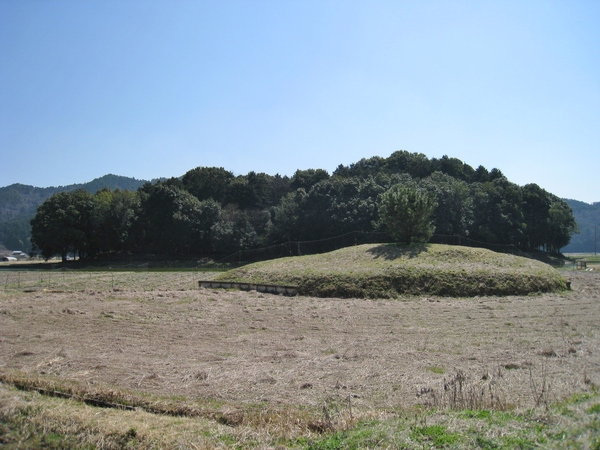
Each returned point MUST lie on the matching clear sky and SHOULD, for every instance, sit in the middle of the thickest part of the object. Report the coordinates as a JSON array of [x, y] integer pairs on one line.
[[147, 89]]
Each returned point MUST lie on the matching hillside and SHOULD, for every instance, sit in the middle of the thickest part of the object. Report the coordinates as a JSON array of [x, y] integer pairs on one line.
[[588, 220], [19, 202], [388, 271]]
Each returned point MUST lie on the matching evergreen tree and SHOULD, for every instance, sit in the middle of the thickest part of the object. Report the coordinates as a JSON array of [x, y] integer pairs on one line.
[[406, 213]]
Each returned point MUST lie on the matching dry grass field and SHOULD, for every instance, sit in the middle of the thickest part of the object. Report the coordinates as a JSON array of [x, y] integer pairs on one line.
[[267, 371]]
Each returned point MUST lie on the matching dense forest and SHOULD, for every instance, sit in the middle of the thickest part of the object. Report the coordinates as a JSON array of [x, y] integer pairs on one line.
[[211, 212]]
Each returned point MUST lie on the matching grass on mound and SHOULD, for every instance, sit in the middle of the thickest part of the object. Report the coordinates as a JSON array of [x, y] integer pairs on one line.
[[389, 271]]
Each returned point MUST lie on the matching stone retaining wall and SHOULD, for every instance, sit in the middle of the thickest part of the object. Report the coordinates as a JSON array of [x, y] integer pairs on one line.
[[269, 288]]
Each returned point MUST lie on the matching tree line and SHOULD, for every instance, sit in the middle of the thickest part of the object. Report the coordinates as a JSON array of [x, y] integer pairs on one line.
[[19, 202], [210, 212]]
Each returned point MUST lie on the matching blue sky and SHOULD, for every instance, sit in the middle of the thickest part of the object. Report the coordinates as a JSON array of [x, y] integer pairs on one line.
[[151, 89]]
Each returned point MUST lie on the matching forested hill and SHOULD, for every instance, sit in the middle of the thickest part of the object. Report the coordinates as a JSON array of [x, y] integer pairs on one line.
[[588, 219], [19, 202], [20, 199], [211, 211]]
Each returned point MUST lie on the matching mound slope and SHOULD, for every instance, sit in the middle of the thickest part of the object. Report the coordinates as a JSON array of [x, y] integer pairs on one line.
[[389, 271]]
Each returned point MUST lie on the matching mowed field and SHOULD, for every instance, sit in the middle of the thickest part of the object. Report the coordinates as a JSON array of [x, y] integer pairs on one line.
[[158, 334]]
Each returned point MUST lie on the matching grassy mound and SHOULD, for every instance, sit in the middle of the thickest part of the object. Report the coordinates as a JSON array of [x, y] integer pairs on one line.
[[388, 271]]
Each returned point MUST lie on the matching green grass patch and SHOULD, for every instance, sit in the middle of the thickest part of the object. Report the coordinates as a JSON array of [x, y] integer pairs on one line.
[[595, 409], [389, 271], [436, 369], [437, 435]]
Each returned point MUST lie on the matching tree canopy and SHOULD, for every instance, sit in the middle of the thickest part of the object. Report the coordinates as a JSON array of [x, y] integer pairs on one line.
[[406, 212], [210, 211], [63, 225]]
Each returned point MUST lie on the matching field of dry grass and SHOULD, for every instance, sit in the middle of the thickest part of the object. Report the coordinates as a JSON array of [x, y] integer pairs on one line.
[[261, 368]]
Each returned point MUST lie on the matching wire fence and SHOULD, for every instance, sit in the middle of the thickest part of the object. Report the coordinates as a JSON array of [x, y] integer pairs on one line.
[[68, 280], [298, 248], [139, 277]]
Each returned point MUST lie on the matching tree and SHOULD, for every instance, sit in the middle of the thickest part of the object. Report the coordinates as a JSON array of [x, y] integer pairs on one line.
[[453, 167], [286, 216], [497, 212], [417, 165], [170, 219], [234, 230], [406, 212], [536, 206], [252, 191], [354, 204], [306, 179], [454, 212], [114, 215], [63, 224], [362, 168], [208, 182], [562, 225]]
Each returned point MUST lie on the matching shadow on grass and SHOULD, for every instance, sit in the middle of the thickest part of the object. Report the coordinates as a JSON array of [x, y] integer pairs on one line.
[[395, 251]]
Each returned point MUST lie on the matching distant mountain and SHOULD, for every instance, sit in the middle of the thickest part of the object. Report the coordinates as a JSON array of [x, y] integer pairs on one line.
[[588, 219], [19, 202]]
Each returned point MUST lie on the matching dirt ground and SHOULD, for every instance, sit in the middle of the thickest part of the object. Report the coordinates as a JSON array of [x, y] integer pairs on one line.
[[175, 339]]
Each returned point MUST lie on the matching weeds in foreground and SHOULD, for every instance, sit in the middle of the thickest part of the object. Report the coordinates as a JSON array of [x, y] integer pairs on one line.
[[461, 391], [462, 412], [541, 389]]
